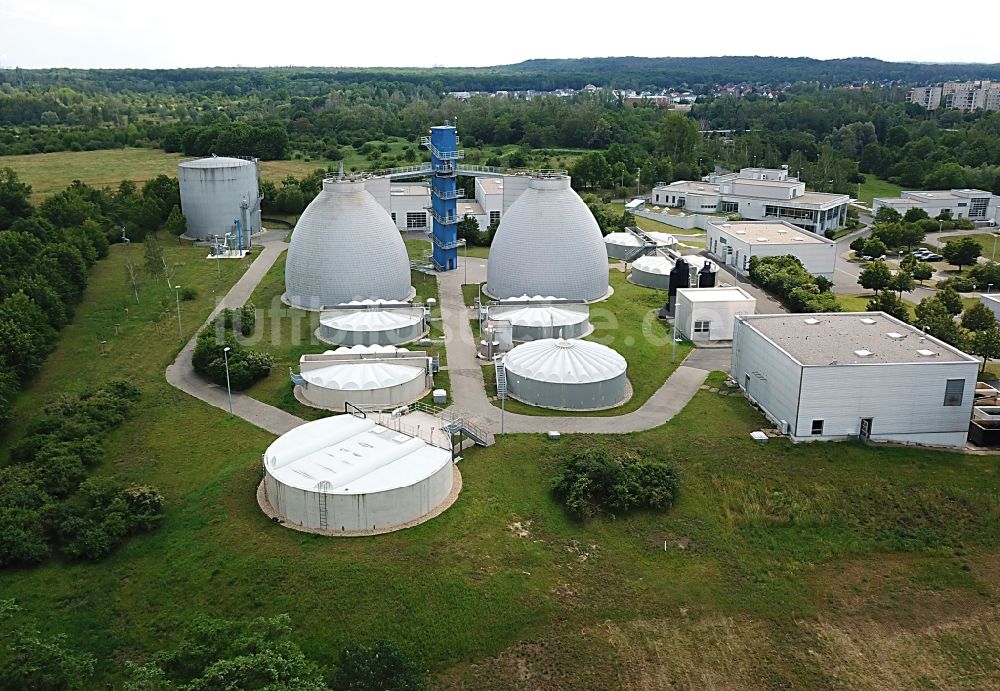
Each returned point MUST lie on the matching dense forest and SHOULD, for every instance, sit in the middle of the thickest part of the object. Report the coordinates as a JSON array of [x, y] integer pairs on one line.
[[540, 75], [830, 136]]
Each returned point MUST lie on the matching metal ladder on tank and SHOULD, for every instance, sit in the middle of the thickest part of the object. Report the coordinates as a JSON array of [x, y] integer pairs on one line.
[[322, 511]]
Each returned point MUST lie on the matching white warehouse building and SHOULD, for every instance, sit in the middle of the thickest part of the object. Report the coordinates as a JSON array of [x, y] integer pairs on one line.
[[407, 202], [757, 194], [708, 314], [734, 243], [837, 376], [973, 204]]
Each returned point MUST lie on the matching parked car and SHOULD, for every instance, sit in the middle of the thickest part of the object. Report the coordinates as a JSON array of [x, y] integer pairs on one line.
[[866, 258], [931, 257]]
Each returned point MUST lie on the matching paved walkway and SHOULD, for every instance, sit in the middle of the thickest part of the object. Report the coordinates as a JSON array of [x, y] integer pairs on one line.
[[465, 370], [468, 389], [181, 373]]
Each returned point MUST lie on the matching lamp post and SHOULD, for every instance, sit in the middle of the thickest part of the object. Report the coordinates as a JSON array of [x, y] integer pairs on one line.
[[465, 259], [177, 293], [993, 258], [638, 181], [229, 389], [673, 340]]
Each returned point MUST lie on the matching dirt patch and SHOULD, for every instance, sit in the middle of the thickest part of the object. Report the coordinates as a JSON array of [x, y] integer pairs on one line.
[[521, 529]]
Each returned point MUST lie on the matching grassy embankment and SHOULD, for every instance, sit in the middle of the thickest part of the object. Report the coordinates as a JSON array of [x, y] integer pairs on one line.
[[781, 565]]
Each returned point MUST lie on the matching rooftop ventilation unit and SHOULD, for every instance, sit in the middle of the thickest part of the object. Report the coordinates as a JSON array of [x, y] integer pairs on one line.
[[741, 232], [782, 231], [798, 239], [811, 321], [895, 336], [867, 320], [863, 353], [761, 239], [923, 352]]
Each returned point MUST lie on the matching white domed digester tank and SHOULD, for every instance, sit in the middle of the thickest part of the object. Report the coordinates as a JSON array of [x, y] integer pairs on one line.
[[213, 191], [548, 243], [345, 247]]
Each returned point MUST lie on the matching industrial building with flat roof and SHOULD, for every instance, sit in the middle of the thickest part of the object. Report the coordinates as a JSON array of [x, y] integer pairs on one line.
[[977, 205], [758, 194], [735, 242], [707, 314], [835, 376]]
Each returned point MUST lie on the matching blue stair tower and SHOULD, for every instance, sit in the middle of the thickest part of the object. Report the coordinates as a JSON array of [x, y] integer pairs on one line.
[[445, 154]]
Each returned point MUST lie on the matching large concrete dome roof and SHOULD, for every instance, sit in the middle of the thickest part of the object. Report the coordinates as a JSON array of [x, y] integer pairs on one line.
[[548, 243], [345, 247]]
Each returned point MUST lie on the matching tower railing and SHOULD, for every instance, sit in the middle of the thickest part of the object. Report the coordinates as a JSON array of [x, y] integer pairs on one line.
[[442, 155], [443, 195], [443, 220]]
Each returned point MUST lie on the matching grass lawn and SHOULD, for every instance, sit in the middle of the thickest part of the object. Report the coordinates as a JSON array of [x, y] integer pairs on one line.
[[988, 241], [51, 173], [874, 187], [859, 303], [779, 561], [626, 322], [780, 566]]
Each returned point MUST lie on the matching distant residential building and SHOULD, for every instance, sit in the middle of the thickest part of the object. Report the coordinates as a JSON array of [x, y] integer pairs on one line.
[[735, 243], [838, 376], [964, 96], [966, 203], [757, 194]]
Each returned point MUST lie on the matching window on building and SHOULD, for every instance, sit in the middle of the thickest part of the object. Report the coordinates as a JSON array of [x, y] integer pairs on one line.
[[702, 327], [393, 214], [978, 208], [954, 390], [817, 427], [729, 207], [416, 219], [494, 217]]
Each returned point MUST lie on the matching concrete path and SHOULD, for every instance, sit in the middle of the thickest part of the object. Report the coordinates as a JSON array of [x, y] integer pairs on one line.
[[469, 393], [465, 370], [181, 373]]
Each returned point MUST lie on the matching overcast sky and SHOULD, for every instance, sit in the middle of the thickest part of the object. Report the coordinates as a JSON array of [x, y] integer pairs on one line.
[[189, 33]]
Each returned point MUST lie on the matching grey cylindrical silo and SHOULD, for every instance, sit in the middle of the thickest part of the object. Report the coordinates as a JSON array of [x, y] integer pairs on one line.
[[212, 192]]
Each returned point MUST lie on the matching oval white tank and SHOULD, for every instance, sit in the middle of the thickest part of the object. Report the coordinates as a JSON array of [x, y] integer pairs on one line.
[[345, 247]]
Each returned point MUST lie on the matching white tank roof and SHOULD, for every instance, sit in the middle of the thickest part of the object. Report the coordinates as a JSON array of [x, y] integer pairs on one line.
[[216, 162], [363, 375], [532, 298], [565, 361], [541, 315], [345, 247], [629, 240], [367, 349], [347, 455], [653, 264], [548, 243], [370, 320]]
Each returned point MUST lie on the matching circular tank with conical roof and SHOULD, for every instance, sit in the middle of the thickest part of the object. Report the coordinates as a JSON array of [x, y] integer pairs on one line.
[[548, 243], [623, 244], [567, 374], [345, 247], [652, 271]]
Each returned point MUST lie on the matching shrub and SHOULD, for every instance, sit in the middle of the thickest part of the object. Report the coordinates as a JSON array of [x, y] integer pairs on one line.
[[380, 666], [596, 480], [95, 520], [188, 294]]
